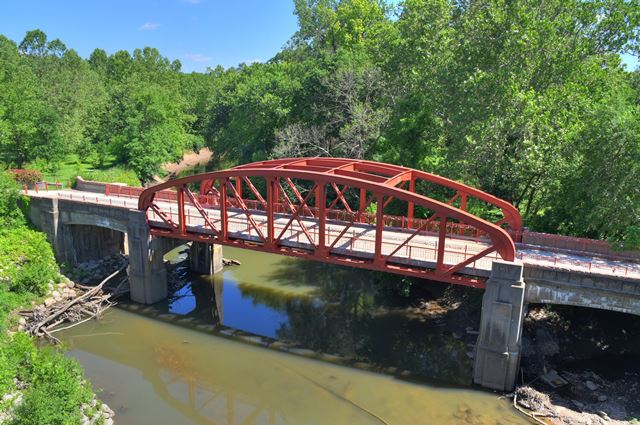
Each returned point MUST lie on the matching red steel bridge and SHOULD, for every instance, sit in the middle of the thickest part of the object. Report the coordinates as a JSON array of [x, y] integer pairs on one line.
[[360, 213]]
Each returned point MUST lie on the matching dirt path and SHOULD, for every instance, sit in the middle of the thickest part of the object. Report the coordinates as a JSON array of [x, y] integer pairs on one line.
[[189, 160]]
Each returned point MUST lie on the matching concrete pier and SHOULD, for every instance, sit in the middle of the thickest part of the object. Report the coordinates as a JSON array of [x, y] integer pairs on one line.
[[205, 258], [500, 341]]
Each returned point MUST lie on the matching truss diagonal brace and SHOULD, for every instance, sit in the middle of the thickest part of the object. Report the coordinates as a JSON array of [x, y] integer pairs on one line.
[[201, 210], [245, 210]]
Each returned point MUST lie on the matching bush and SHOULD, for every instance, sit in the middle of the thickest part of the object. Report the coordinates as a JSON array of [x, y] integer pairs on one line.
[[28, 177], [10, 214], [27, 263], [53, 390]]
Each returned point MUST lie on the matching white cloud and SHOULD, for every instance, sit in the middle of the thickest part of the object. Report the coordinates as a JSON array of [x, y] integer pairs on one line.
[[149, 26], [197, 57]]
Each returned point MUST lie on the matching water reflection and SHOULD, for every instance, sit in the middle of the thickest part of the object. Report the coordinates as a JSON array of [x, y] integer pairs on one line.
[[343, 311]]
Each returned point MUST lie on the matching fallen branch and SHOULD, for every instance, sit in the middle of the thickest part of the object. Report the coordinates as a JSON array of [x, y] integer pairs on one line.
[[524, 412], [44, 324]]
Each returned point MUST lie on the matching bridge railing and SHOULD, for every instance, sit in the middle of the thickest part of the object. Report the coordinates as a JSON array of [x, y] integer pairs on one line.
[[562, 243], [599, 266]]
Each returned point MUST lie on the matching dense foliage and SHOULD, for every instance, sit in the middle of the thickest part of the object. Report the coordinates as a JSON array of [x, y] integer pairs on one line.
[[52, 385], [526, 100]]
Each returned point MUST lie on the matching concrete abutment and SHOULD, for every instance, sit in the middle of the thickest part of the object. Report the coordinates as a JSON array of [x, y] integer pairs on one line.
[[80, 232], [499, 344]]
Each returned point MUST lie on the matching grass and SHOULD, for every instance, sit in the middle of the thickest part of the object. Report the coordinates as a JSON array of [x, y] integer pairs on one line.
[[72, 166]]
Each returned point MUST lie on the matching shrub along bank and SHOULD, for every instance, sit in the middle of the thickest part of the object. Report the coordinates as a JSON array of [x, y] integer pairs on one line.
[[37, 385]]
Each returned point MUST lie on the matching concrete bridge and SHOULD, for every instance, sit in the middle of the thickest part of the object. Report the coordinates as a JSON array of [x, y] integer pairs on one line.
[[99, 219]]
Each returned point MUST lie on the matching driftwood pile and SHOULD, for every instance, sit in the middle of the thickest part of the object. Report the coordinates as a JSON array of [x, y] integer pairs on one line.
[[230, 262], [74, 304]]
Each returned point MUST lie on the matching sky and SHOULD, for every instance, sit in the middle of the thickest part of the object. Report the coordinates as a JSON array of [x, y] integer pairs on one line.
[[200, 33]]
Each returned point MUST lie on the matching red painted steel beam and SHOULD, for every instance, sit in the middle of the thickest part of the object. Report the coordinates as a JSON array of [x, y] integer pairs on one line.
[[500, 238], [336, 165]]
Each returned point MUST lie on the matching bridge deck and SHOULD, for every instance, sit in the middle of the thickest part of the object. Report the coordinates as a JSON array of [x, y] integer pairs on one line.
[[358, 240]]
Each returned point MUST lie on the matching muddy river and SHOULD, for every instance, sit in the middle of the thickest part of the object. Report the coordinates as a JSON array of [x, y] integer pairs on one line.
[[278, 340]]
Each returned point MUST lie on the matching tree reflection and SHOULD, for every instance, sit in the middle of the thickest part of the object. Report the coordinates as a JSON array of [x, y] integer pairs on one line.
[[359, 314]]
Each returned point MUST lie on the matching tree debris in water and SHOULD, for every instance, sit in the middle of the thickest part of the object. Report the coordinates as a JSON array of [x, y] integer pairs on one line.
[[73, 304]]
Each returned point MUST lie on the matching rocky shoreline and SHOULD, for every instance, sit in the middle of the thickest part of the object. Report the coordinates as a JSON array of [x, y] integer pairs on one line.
[[64, 294], [572, 362]]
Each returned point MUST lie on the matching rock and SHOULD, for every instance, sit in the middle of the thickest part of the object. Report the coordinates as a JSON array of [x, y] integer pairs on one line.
[[553, 379], [49, 302], [603, 415], [70, 284], [591, 385], [578, 404], [108, 421], [55, 294], [602, 398], [107, 410], [22, 321]]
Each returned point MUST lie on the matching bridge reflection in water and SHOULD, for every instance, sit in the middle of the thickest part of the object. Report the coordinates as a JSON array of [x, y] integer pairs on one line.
[[205, 379]]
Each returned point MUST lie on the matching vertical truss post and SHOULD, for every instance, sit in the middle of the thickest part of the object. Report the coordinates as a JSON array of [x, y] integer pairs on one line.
[[412, 189], [441, 242], [377, 257], [181, 218], [276, 195], [239, 186], [224, 219], [321, 201], [271, 205], [363, 203]]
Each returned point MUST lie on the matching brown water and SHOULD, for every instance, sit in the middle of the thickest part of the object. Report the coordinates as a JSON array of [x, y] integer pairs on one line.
[[216, 353]]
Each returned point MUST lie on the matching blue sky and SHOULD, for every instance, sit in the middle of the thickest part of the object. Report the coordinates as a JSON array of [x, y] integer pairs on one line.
[[200, 33]]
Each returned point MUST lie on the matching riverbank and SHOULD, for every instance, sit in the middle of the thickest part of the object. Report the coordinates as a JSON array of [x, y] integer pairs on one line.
[[38, 384], [579, 366]]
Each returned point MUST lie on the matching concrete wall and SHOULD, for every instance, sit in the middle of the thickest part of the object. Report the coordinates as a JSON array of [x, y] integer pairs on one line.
[[94, 243], [549, 286]]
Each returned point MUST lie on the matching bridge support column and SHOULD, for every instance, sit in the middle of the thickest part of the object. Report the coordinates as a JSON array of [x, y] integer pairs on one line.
[[499, 343], [205, 258], [147, 272]]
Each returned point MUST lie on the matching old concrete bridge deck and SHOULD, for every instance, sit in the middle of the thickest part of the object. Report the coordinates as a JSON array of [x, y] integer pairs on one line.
[[85, 224]]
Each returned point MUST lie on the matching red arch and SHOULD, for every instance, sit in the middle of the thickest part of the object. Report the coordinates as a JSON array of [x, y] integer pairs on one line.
[[394, 175], [380, 181]]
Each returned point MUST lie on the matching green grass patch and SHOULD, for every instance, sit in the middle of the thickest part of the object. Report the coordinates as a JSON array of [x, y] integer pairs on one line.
[[72, 166]]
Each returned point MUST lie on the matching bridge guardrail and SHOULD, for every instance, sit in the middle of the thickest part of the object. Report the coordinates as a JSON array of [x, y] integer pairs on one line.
[[562, 243]]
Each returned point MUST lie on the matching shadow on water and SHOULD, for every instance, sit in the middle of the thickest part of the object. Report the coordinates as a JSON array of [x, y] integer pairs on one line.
[[355, 315]]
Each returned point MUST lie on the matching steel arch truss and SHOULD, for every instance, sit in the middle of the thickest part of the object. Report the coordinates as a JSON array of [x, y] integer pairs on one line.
[[333, 210]]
